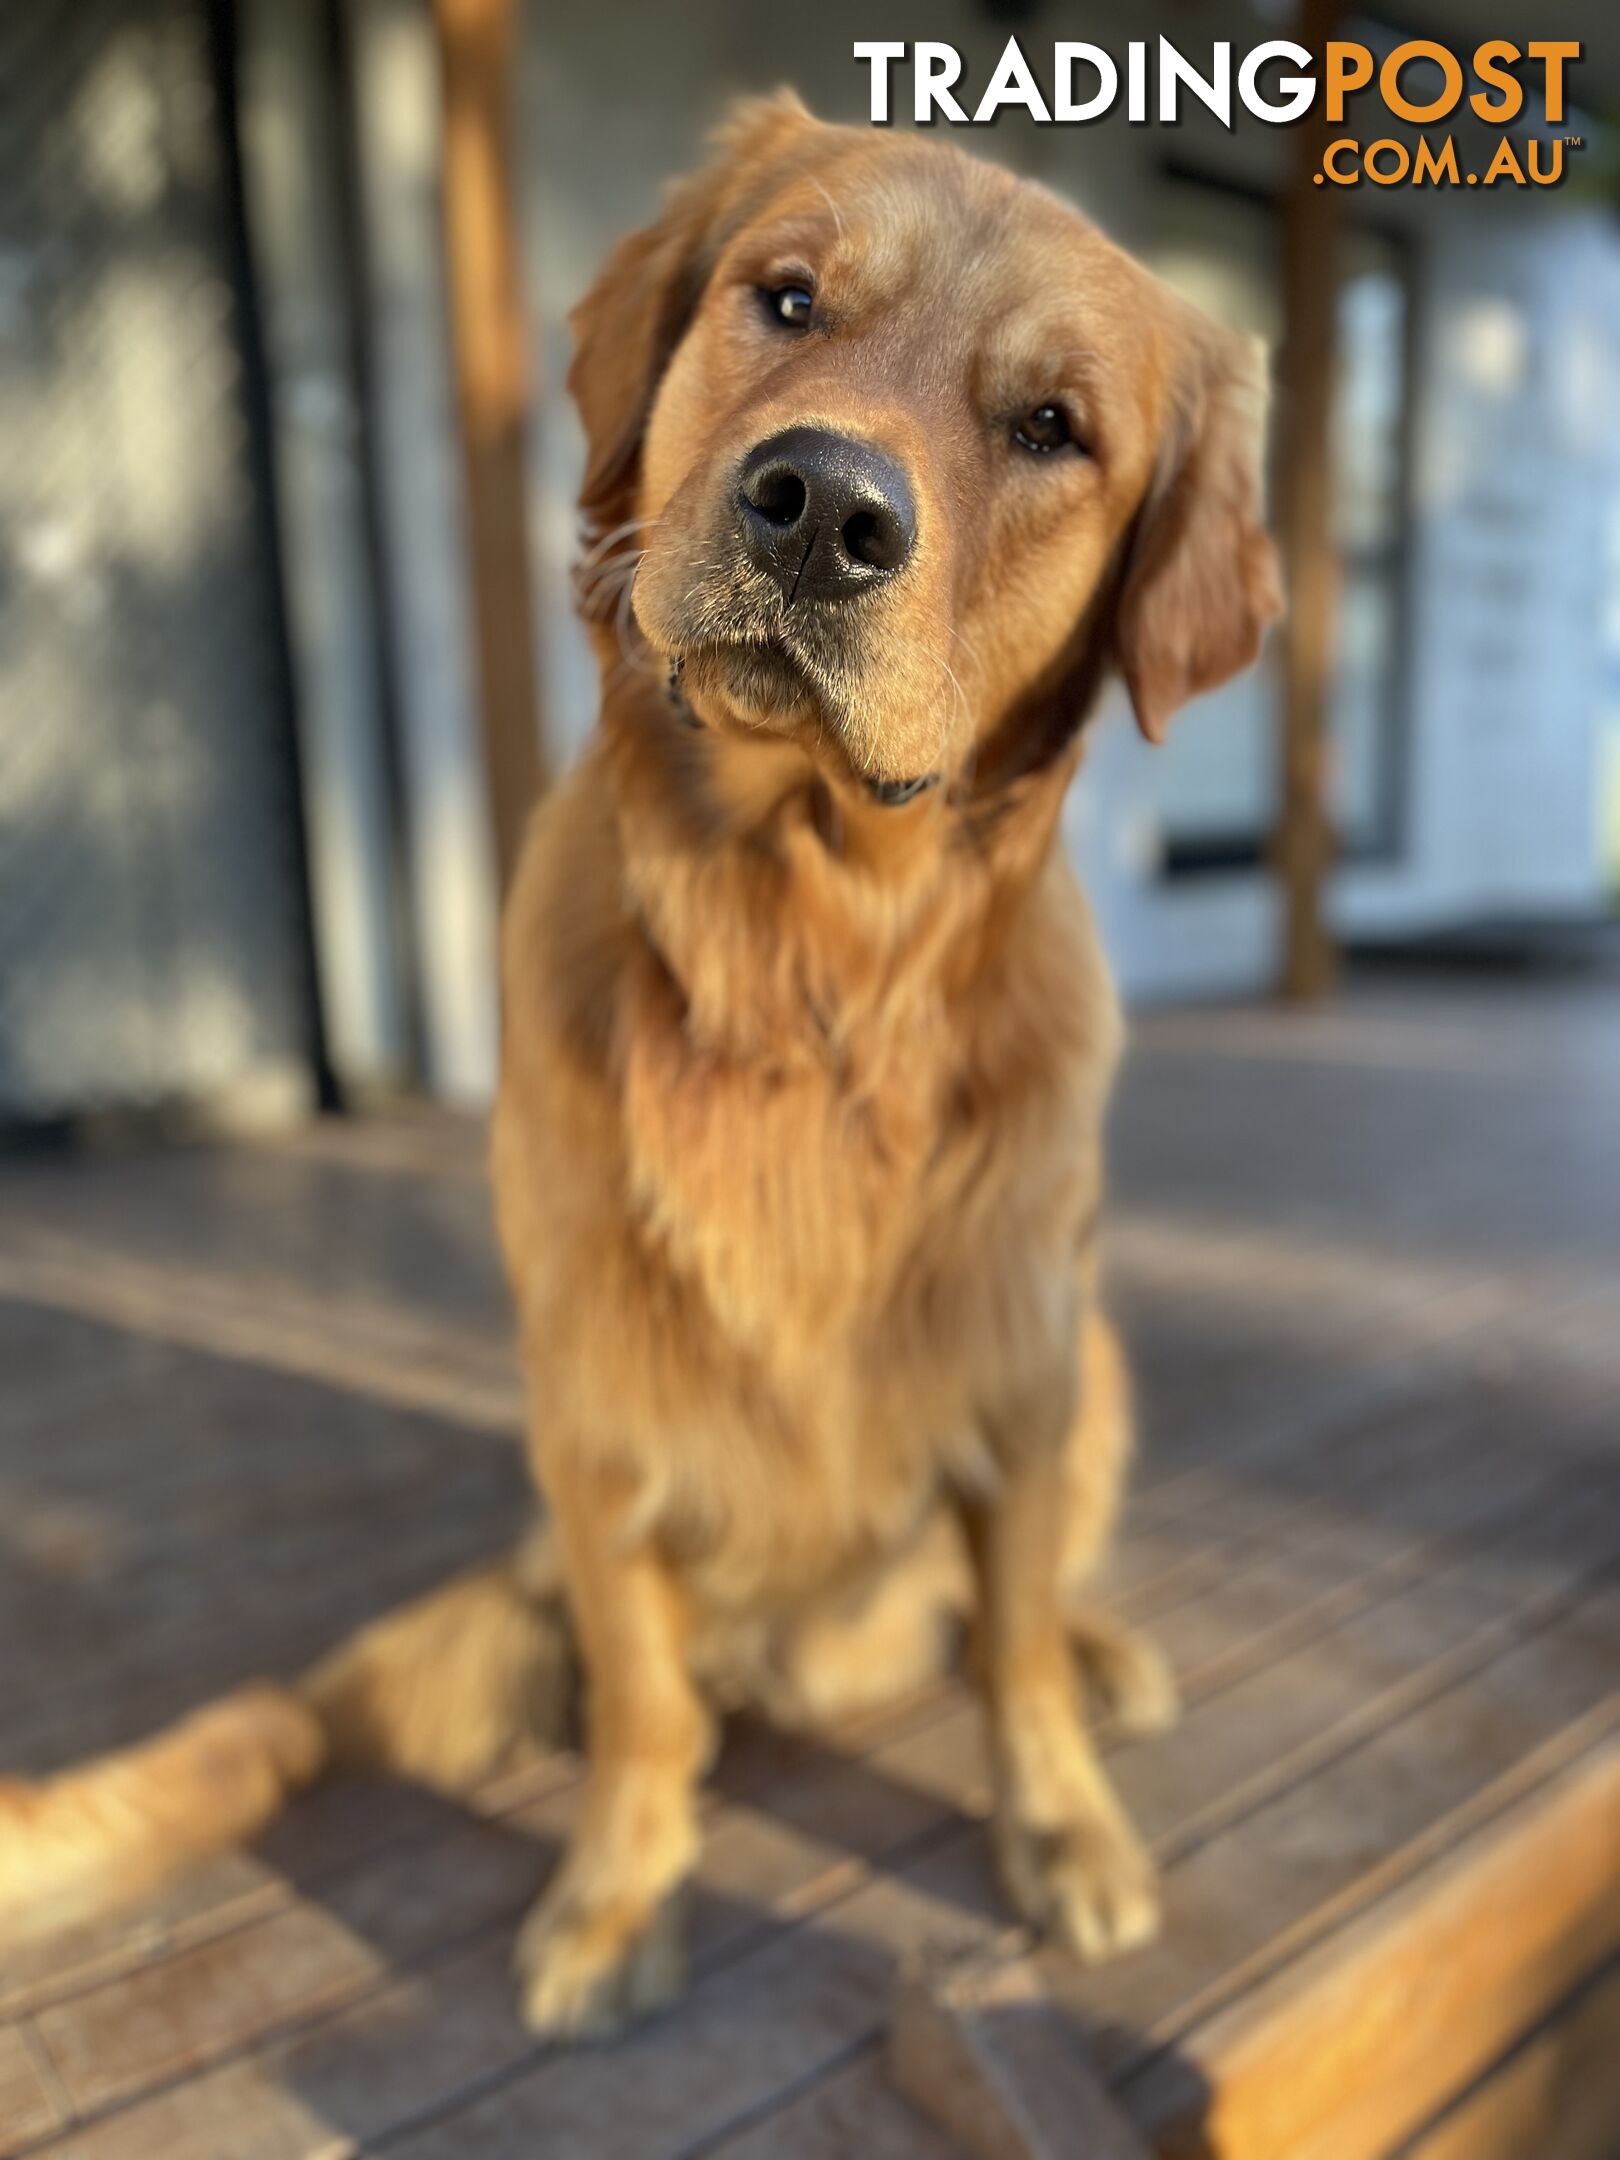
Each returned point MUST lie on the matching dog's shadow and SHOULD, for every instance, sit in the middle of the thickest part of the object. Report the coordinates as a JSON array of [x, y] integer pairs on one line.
[[824, 1871]]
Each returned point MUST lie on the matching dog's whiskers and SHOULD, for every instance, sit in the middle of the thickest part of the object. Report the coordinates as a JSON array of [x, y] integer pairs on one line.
[[592, 580], [962, 706], [604, 542], [960, 637]]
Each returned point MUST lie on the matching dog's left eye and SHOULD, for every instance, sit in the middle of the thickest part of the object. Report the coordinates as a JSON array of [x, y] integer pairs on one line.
[[1044, 429], [791, 304]]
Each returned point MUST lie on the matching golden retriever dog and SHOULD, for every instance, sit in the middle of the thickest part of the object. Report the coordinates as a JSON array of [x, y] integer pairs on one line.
[[893, 460]]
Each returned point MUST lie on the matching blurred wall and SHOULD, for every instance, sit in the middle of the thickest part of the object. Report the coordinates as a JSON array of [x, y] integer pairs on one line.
[[153, 940], [344, 147]]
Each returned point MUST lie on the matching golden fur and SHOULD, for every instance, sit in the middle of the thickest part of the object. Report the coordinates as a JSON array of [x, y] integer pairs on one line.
[[797, 1152], [798, 1144]]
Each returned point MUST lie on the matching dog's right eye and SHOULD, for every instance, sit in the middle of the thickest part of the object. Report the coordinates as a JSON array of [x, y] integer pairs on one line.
[[790, 304], [1044, 430]]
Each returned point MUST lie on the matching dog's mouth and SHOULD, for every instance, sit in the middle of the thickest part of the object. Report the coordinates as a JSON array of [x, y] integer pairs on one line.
[[765, 676], [758, 680], [739, 661], [745, 649], [768, 675]]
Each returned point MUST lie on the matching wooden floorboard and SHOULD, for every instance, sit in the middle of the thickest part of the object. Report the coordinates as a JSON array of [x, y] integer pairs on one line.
[[1340, 2053], [930, 1761], [1553, 2091], [1370, 1271]]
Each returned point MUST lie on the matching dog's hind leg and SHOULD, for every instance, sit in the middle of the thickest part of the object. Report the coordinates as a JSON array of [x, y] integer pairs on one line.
[[858, 1651], [478, 1675], [1123, 1667], [877, 1644]]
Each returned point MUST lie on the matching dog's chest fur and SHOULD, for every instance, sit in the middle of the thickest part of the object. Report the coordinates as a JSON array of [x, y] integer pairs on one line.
[[821, 1086], [852, 1179]]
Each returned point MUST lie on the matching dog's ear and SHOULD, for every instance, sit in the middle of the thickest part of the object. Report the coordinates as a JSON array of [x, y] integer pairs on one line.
[[631, 320], [1201, 583]]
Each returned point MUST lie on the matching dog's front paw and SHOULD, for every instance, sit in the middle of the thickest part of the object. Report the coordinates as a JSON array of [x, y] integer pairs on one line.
[[586, 1970], [1090, 1884]]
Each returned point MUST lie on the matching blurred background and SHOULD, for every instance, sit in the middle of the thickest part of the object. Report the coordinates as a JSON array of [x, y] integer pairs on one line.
[[286, 524], [254, 579]]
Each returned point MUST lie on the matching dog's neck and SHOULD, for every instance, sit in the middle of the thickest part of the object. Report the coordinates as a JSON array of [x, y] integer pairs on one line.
[[793, 908]]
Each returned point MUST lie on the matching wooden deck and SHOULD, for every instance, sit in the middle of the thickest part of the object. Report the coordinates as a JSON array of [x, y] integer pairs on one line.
[[1369, 1266]]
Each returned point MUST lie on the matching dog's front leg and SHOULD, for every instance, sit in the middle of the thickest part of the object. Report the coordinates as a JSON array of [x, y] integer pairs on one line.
[[604, 1942], [1069, 1858]]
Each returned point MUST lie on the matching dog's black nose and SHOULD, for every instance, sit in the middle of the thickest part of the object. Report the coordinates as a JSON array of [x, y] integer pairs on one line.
[[826, 515]]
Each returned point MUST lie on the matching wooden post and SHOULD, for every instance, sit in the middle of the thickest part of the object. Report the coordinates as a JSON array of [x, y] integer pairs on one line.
[[492, 395], [1303, 848]]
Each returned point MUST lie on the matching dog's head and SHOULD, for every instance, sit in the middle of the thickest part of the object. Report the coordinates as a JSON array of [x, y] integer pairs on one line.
[[911, 455]]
